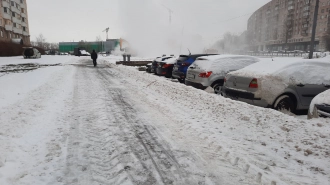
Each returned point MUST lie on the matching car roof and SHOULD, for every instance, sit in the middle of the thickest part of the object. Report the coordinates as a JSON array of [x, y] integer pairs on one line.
[[216, 57], [196, 55]]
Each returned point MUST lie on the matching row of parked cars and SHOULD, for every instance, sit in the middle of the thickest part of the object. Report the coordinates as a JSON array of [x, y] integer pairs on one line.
[[281, 83]]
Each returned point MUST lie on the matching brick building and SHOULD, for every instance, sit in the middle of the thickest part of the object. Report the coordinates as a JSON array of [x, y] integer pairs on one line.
[[14, 22], [287, 25]]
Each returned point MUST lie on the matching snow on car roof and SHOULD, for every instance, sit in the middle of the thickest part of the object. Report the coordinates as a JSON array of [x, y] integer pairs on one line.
[[171, 60], [311, 71], [267, 66], [224, 63]]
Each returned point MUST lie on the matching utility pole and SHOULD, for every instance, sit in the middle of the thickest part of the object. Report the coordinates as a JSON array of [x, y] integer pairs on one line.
[[170, 13], [316, 11]]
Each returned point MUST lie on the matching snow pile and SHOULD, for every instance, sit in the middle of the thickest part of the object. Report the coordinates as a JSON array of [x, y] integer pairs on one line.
[[274, 76], [222, 64], [320, 99], [264, 142]]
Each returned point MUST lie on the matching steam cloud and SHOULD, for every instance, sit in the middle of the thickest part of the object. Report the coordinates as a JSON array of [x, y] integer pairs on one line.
[[145, 25]]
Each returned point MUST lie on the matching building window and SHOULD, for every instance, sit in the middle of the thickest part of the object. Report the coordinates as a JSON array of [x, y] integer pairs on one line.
[[5, 10], [12, 3], [24, 28], [22, 1], [13, 14], [22, 10], [23, 19], [15, 25]]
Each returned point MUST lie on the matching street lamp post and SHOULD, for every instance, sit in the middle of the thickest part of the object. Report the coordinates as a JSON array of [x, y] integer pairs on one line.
[[314, 29]]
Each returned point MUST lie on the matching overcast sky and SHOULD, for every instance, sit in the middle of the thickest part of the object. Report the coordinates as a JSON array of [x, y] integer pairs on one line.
[[67, 20]]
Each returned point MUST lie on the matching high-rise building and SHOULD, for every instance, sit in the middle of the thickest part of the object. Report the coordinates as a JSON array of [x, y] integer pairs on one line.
[[287, 25], [14, 22]]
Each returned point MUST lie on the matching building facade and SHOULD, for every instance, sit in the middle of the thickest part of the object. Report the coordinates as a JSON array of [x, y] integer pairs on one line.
[[14, 22], [106, 46], [287, 25]]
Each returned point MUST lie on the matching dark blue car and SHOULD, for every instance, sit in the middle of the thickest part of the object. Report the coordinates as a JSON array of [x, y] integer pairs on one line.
[[180, 68]]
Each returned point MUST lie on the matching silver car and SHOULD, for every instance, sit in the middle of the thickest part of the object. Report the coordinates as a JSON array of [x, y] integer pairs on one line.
[[280, 84], [211, 70]]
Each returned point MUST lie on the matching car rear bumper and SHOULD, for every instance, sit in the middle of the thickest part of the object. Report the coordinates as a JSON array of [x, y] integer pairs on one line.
[[163, 72], [196, 85], [178, 75], [246, 97]]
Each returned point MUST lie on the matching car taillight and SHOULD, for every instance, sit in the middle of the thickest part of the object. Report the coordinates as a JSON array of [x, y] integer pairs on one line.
[[185, 64], [254, 83], [166, 65], [205, 74]]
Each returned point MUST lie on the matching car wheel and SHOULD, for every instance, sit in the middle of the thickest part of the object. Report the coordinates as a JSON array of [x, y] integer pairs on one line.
[[181, 80], [285, 103], [217, 89]]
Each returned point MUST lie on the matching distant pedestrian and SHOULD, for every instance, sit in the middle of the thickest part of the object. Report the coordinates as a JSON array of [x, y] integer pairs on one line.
[[94, 57]]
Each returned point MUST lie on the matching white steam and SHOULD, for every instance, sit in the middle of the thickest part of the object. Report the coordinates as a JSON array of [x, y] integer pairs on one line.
[[145, 25]]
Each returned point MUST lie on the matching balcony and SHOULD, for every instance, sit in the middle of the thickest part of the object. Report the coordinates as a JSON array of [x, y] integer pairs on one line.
[[24, 24], [16, 10], [25, 33], [305, 21], [15, 20], [17, 30], [5, 15], [23, 15], [304, 34], [9, 27], [290, 8], [5, 4]]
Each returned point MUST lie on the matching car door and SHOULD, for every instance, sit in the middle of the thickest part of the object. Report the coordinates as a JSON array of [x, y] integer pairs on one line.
[[307, 92]]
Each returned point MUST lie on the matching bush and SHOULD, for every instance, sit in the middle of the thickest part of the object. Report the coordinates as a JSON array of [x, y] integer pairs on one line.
[[8, 49]]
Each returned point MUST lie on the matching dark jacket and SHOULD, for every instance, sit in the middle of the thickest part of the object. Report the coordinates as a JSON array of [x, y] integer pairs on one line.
[[94, 55]]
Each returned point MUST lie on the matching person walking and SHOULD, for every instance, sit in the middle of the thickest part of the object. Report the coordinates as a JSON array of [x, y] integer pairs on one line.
[[94, 57]]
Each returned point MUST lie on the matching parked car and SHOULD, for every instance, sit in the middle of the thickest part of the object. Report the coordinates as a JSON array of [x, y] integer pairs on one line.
[[165, 68], [31, 52], [281, 84], [148, 68], [320, 106], [181, 66], [211, 70], [155, 63], [150, 65]]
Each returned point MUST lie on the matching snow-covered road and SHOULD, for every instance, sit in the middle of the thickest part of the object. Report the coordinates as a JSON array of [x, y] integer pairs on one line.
[[115, 125]]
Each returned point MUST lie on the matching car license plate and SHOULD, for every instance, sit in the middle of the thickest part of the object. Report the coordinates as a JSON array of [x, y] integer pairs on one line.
[[191, 76]]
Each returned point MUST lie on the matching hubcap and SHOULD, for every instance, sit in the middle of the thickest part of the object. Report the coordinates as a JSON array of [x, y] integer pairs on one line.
[[217, 89]]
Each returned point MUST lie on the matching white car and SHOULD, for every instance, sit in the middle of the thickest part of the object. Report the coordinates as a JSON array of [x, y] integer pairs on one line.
[[282, 84], [320, 106], [30, 52], [211, 70]]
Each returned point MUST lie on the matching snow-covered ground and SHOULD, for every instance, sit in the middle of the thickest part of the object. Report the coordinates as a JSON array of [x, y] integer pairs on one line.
[[76, 124]]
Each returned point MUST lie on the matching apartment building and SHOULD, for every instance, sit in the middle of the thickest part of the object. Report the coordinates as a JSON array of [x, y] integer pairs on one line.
[[287, 25], [14, 21]]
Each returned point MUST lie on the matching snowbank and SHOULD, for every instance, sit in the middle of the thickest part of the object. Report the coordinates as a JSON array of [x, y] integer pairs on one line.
[[281, 148]]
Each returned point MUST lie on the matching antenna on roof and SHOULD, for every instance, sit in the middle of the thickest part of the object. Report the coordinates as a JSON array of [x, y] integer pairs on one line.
[[189, 51]]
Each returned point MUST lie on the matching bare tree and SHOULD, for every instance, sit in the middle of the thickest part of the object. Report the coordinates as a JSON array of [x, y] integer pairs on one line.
[[40, 41]]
